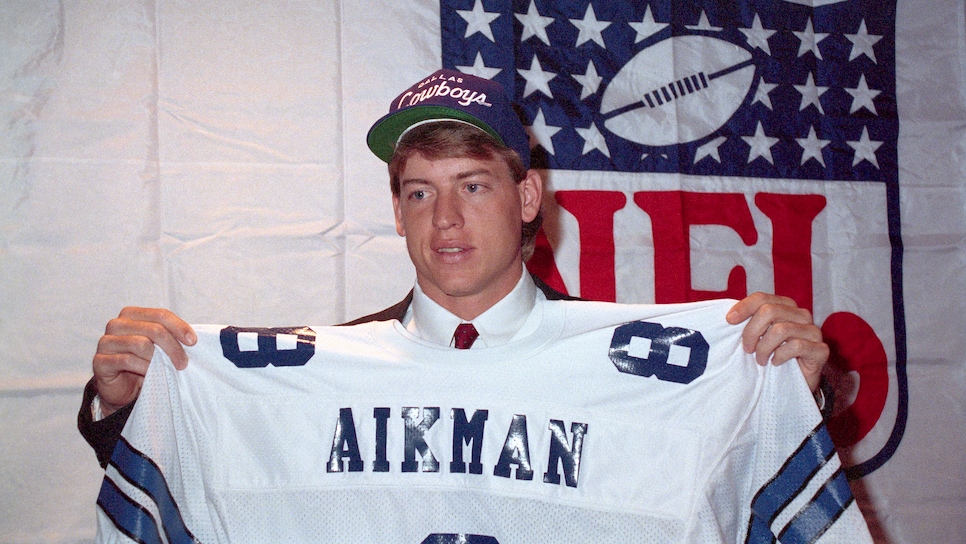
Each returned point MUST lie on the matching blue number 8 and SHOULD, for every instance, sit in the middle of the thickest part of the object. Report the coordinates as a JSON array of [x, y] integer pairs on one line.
[[656, 363], [268, 352]]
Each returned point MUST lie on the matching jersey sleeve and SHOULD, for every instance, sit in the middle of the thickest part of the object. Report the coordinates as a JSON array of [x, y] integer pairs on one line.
[[798, 490], [142, 492]]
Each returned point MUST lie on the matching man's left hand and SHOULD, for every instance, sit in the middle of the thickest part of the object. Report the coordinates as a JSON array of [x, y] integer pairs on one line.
[[780, 330]]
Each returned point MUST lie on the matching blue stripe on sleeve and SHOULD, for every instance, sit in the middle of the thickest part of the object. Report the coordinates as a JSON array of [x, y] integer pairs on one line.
[[128, 516], [144, 474], [821, 512], [759, 532], [811, 456]]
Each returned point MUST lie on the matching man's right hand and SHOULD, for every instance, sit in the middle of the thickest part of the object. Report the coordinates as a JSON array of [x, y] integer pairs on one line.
[[125, 350]]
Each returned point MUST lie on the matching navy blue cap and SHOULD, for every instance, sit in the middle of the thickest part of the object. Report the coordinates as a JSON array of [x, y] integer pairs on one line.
[[451, 95]]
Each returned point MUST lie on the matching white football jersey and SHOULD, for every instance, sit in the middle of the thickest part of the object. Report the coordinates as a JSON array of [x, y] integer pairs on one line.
[[610, 423]]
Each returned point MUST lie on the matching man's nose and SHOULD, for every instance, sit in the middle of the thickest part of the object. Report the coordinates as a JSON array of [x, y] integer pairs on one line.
[[448, 211]]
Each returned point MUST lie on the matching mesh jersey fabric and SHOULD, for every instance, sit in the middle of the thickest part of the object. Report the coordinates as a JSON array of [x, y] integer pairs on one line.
[[611, 423]]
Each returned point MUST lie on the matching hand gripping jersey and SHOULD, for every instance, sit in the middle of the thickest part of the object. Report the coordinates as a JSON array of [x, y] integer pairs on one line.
[[610, 423]]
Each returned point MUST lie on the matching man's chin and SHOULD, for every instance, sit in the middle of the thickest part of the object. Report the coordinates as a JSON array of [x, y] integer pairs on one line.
[[459, 289], [453, 286], [466, 282]]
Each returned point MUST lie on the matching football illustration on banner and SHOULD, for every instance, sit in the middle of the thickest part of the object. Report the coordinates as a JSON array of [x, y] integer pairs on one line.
[[678, 90]]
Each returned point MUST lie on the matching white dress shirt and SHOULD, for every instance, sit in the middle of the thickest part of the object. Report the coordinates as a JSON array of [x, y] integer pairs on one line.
[[515, 316]]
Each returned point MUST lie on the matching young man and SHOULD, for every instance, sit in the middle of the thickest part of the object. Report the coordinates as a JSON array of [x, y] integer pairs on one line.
[[566, 421], [462, 187]]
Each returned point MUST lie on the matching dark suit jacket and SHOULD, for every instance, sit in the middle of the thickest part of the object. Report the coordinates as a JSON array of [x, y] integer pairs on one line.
[[103, 435]]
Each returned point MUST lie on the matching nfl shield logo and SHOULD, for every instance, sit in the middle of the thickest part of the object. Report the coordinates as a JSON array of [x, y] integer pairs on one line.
[[701, 150]]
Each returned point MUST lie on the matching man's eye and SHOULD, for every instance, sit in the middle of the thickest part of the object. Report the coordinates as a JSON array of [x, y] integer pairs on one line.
[[472, 187], [417, 195]]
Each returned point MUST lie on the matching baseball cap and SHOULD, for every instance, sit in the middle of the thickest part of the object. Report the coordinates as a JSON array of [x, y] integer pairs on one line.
[[449, 95]]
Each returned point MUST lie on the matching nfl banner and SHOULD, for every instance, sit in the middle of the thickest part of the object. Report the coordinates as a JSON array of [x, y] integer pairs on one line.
[[744, 129], [210, 158]]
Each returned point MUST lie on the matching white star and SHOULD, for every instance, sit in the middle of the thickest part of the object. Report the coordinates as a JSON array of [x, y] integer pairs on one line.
[[862, 97], [541, 133], [593, 139], [478, 20], [865, 149], [812, 147], [534, 24], [590, 28], [590, 81], [662, 156], [537, 79], [757, 36], [703, 24], [479, 69], [760, 145], [862, 43], [810, 41], [762, 92], [811, 94], [647, 27], [709, 149]]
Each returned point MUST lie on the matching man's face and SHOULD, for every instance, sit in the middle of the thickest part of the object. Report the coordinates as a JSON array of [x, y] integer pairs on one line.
[[462, 218]]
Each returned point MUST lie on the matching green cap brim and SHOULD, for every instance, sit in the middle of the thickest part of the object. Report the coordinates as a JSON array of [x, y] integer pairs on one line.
[[385, 132]]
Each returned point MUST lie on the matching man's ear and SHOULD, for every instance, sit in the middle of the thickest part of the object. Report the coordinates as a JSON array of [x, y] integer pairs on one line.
[[531, 194], [400, 228]]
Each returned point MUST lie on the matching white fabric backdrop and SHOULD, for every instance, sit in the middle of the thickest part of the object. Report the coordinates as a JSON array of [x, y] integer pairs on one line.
[[211, 159]]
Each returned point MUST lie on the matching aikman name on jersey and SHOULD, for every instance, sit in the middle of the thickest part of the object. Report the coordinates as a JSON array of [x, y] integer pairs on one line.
[[609, 423], [467, 436]]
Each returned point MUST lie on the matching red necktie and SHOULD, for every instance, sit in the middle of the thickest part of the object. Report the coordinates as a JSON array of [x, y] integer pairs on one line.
[[464, 336]]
